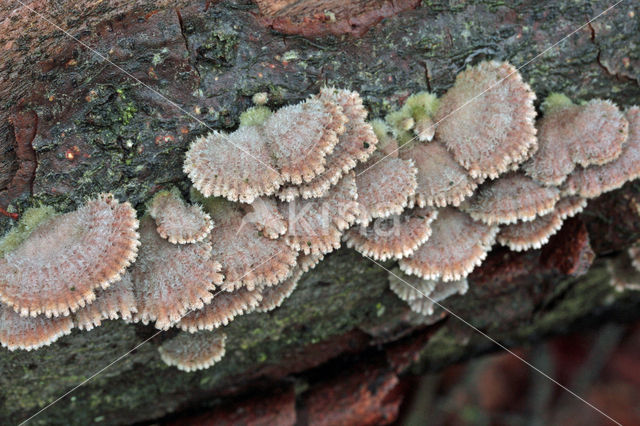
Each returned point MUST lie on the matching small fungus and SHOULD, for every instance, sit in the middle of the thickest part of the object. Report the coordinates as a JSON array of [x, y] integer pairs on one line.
[[178, 222], [272, 297], [266, 217], [536, 233], [192, 352], [57, 267], [224, 307], [384, 186], [594, 180], [441, 180], [307, 262], [457, 245], [442, 290], [30, 333], [395, 237], [248, 258], [487, 119], [354, 145], [316, 225], [510, 198], [169, 279], [117, 301], [589, 134], [408, 287]]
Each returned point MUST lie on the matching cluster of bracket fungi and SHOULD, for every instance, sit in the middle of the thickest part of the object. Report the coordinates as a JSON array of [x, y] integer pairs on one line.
[[434, 186]]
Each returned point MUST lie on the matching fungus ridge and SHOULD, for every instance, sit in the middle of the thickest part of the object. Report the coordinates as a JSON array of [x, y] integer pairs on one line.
[[178, 222], [192, 352]]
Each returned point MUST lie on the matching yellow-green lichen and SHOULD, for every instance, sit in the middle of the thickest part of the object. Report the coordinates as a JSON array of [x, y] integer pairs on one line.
[[29, 221], [255, 116], [555, 101]]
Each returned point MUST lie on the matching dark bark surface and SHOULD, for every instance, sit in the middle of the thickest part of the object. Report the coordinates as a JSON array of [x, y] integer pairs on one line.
[[73, 124]]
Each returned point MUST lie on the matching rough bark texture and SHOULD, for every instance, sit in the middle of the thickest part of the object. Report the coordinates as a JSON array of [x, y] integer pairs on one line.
[[72, 125]]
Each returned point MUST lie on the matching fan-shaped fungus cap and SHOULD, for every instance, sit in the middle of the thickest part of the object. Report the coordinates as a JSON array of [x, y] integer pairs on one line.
[[623, 275], [248, 258], [487, 119], [384, 186], [393, 237], [408, 287], [178, 222], [301, 135], [237, 166], [118, 301], [457, 245], [191, 352], [316, 225], [354, 145], [169, 279], [594, 180], [272, 297], [588, 134], [29, 333], [442, 290], [56, 268], [511, 198], [266, 217], [224, 307], [536, 233], [441, 180]]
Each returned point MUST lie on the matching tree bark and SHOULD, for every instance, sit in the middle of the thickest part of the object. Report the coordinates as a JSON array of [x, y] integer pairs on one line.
[[74, 122]]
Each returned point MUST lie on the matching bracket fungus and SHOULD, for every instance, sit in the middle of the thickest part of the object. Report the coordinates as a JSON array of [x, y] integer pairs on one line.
[[117, 301], [395, 237], [222, 309], [510, 198], [384, 186], [169, 279], [535, 233], [354, 145], [255, 160], [57, 267], [30, 333], [272, 297], [266, 217], [316, 225], [191, 352], [248, 258], [441, 291], [487, 119], [569, 135], [457, 245], [415, 289], [592, 181], [178, 222], [441, 181]]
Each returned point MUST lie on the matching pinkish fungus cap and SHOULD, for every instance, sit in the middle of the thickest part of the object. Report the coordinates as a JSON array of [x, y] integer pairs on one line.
[[30, 333], [487, 119], [266, 217], [316, 225], [237, 166], [408, 287], [307, 262], [169, 279], [457, 245], [57, 267], [224, 307], [594, 180], [118, 301], [300, 136], [178, 222], [354, 145], [441, 180], [384, 186], [536, 233], [192, 352], [273, 297], [248, 258], [570, 135], [510, 198], [441, 291], [395, 237]]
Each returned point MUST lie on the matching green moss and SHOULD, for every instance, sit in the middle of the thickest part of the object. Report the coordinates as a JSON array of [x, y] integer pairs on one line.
[[29, 221], [417, 107], [255, 116], [555, 101]]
